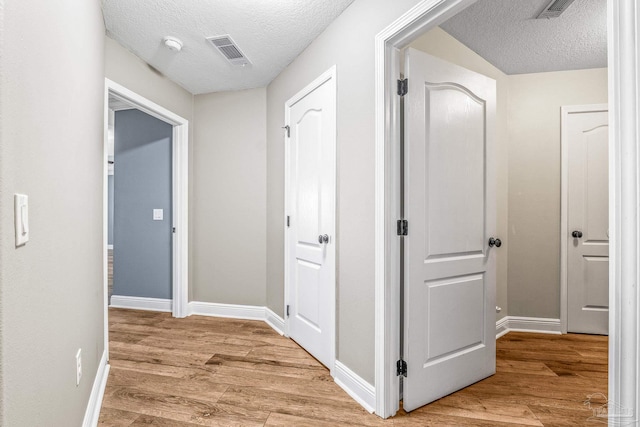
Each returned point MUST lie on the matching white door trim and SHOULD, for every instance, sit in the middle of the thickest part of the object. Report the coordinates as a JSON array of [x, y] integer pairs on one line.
[[180, 193], [564, 195], [624, 139], [624, 195], [330, 74]]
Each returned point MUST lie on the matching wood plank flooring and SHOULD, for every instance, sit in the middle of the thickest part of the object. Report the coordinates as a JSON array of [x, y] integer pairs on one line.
[[203, 371]]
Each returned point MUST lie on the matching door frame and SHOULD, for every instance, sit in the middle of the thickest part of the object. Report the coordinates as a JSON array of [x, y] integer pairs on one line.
[[180, 194], [624, 195], [565, 110], [329, 75]]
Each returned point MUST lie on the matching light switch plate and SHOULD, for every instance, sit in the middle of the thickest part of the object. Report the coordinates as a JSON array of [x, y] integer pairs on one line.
[[158, 214], [21, 212]]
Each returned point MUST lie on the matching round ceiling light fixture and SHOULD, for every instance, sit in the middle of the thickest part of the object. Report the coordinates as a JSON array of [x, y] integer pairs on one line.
[[173, 43]]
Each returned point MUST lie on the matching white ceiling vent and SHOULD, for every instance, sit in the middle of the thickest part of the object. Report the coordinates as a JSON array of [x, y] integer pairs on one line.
[[554, 9], [229, 49]]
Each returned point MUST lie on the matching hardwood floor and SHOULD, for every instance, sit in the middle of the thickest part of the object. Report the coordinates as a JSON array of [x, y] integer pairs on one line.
[[203, 371]]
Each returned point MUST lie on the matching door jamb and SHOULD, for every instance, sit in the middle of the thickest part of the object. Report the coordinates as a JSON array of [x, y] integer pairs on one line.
[[180, 194], [623, 20], [330, 74], [564, 200]]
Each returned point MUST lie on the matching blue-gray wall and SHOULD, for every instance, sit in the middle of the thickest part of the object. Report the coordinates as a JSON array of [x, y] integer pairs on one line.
[[142, 182], [110, 226]]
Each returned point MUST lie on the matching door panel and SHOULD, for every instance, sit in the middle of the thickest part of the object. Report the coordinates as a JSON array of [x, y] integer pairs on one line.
[[449, 145], [587, 136], [449, 297], [311, 211]]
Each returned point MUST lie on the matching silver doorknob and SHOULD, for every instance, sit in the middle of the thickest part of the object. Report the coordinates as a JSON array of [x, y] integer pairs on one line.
[[577, 234], [323, 238], [495, 242]]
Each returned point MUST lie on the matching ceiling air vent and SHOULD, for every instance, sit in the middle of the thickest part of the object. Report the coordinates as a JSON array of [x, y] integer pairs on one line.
[[229, 50], [554, 9]]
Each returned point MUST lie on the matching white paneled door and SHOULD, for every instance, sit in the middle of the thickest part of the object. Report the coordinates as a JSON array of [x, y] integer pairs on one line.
[[586, 135], [310, 208], [449, 261]]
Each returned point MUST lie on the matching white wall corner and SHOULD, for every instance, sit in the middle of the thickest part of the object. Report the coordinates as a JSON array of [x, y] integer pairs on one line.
[[273, 320], [92, 413], [502, 326], [360, 390], [139, 303], [234, 311]]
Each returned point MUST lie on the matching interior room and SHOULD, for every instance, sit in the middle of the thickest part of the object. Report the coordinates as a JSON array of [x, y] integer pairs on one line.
[[278, 286]]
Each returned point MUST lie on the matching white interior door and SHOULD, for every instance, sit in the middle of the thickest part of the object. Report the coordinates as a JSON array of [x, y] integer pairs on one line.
[[587, 140], [449, 297], [310, 239]]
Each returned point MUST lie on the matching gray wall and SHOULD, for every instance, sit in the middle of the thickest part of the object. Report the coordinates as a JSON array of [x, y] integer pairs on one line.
[[110, 211], [51, 148], [142, 250], [230, 198], [347, 43], [534, 182]]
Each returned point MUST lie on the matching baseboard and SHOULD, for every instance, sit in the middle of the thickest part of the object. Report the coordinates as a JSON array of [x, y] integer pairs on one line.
[[139, 303], [273, 320], [542, 325], [92, 412], [234, 311], [502, 326], [359, 390], [534, 324]]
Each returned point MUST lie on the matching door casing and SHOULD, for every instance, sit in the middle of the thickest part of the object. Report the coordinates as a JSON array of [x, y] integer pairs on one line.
[[329, 75], [180, 194], [624, 195]]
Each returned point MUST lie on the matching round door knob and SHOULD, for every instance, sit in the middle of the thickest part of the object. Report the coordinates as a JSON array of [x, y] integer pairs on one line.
[[323, 238], [495, 242], [577, 234]]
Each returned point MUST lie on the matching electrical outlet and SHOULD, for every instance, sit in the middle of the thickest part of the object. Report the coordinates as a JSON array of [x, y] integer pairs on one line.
[[78, 366]]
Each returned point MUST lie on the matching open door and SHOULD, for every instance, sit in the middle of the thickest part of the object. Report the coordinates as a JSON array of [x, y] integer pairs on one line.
[[449, 262]]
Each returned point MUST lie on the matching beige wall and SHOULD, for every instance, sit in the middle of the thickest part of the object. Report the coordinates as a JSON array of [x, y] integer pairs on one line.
[[347, 43], [51, 133], [440, 44], [534, 182], [125, 68], [229, 198]]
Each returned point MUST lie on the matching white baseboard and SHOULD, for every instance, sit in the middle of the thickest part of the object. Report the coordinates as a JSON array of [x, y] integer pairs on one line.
[[502, 326], [359, 390], [540, 325], [234, 311], [273, 320], [92, 412], [139, 303]]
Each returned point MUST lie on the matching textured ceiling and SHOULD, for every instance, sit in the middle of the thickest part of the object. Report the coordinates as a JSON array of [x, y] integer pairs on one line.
[[270, 33], [506, 33]]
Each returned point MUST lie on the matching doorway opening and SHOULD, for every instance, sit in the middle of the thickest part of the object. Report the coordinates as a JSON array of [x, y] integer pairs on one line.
[[425, 16], [129, 103]]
